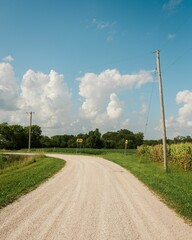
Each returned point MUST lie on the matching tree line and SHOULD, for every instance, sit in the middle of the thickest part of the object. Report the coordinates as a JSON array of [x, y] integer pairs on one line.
[[175, 140], [16, 137]]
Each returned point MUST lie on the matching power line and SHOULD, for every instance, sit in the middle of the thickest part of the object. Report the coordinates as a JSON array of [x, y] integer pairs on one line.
[[178, 58], [150, 100]]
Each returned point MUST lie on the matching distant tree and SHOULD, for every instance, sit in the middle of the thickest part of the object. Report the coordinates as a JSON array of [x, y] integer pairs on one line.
[[138, 139], [152, 142], [45, 142], [72, 142], [110, 139], [19, 138], [5, 136], [35, 135], [61, 140], [12, 136], [58, 141], [94, 139], [180, 139], [125, 134], [117, 139], [67, 138]]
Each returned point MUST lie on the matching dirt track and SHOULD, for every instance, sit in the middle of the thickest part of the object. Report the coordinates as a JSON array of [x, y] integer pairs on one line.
[[91, 199]]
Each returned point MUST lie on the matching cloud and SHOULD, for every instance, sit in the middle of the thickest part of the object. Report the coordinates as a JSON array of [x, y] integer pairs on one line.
[[45, 94], [48, 96], [113, 109], [185, 112], [97, 89], [8, 87], [171, 36], [107, 26], [182, 123], [8, 59], [100, 24], [171, 4]]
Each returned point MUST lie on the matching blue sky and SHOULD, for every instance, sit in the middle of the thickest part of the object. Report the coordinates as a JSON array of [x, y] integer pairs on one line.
[[81, 65]]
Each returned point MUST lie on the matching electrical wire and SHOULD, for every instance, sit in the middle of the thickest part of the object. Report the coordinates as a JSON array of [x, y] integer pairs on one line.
[[150, 100]]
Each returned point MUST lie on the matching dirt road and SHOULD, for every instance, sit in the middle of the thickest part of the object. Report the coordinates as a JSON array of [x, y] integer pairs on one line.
[[91, 199]]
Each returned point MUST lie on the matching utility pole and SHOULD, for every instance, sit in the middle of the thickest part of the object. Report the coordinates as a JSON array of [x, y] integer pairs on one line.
[[30, 123], [162, 111]]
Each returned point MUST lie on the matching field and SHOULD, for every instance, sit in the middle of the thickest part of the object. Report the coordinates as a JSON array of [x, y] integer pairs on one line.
[[180, 154], [21, 174]]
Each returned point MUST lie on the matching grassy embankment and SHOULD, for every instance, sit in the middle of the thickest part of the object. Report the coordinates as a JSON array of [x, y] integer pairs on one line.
[[21, 174], [174, 187]]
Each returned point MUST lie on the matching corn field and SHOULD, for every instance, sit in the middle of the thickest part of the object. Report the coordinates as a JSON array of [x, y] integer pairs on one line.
[[180, 154]]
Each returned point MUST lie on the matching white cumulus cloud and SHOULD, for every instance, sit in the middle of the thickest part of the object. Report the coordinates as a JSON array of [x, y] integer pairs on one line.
[[114, 109], [8, 87], [102, 105], [182, 123], [45, 94], [97, 89], [48, 96], [185, 112]]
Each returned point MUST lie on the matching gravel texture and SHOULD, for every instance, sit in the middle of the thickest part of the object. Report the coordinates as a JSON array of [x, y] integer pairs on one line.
[[91, 199]]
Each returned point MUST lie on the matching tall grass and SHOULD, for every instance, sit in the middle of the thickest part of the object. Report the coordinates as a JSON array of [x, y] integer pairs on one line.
[[11, 162]]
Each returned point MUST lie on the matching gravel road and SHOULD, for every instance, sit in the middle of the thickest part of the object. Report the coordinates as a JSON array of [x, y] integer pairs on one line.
[[91, 199]]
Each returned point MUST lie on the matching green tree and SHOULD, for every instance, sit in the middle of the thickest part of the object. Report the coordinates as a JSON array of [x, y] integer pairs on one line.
[[117, 139], [125, 134], [72, 142], [5, 136], [94, 139], [110, 139], [45, 141], [35, 135], [12, 136], [138, 139], [19, 139]]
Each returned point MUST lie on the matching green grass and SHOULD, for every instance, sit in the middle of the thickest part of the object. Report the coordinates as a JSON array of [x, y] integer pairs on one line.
[[25, 175], [174, 187], [83, 151]]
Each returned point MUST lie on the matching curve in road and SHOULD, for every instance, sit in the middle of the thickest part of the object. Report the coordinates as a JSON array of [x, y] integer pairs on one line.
[[89, 199]]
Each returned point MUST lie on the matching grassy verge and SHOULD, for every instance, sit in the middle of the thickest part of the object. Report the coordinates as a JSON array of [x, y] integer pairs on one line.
[[23, 176], [174, 188]]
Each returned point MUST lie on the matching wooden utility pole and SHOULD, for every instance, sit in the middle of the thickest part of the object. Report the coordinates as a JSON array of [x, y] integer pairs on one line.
[[162, 111], [30, 123]]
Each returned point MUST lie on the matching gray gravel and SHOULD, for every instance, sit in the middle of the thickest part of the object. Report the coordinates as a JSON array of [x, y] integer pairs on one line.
[[89, 199]]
